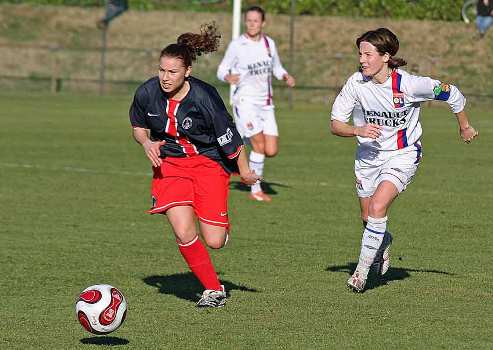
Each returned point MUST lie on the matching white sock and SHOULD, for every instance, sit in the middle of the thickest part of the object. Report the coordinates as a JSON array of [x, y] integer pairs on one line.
[[371, 241], [257, 165]]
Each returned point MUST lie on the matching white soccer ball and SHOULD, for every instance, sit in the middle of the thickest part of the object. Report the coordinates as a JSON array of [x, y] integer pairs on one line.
[[101, 308]]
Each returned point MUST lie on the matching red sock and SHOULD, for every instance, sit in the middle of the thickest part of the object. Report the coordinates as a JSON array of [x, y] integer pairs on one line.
[[197, 258]]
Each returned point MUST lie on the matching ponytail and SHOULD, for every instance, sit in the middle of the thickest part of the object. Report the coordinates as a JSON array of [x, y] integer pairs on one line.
[[395, 62], [190, 45]]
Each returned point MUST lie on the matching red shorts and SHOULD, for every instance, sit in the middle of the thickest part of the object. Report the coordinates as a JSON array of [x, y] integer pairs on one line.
[[196, 181]]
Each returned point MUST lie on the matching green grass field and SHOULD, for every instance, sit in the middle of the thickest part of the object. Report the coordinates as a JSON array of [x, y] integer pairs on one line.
[[74, 188]]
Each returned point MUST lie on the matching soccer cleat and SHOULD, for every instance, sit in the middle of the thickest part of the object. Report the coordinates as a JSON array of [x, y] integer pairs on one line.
[[260, 196], [357, 282], [213, 298], [382, 260]]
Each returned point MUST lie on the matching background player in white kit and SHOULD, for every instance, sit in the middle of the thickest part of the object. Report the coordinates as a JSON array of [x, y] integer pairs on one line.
[[385, 103], [249, 63]]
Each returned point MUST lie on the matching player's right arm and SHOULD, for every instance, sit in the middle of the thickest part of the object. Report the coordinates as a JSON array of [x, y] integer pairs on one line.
[[230, 59], [151, 149], [140, 129], [342, 110], [339, 128]]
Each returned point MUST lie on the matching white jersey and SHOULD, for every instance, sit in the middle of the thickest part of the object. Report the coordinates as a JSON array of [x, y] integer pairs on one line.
[[394, 105], [255, 62]]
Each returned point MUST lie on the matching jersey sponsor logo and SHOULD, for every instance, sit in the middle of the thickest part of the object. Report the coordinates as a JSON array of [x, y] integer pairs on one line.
[[226, 138], [385, 118], [187, 123], [260, 68], [223, 214], [249, 126], [152, 114]]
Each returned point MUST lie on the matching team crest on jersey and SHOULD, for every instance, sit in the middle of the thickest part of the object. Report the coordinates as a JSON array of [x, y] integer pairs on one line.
[[398, 99], [187, 123]]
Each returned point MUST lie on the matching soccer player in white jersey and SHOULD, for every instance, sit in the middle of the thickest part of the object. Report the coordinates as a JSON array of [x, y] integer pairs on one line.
[[384, 101], [248, 65]]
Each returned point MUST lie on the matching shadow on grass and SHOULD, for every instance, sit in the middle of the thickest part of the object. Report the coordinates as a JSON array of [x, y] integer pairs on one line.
[[267, 187], [105, 341], [393, 274], [186, 286]]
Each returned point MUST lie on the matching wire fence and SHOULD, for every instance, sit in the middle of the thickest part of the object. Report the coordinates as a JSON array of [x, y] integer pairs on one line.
[[59, 69]]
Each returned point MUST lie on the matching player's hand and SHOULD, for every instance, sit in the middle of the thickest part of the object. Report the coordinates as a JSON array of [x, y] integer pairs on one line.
[[250, 178], [232, 78], [468, 134], [289, 80], [152, 151], [371, 131]]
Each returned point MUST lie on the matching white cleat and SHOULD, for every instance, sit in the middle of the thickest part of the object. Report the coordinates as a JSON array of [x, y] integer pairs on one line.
[[213, 298], [260, 196], [357, 282]]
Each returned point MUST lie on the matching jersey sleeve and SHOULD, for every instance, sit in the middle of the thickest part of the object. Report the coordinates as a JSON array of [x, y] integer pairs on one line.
[[138, 108], [277, 68], [228, 62], [420, 89], [344, 103], [228, 138]]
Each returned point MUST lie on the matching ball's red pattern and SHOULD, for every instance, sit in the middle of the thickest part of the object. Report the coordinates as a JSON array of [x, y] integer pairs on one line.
[[90, 296]]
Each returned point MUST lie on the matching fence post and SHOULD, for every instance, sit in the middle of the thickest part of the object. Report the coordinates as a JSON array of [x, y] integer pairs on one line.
[[55, 71], [150, 66], [338, 56], [291, 50], [433, 61], [102, 67]]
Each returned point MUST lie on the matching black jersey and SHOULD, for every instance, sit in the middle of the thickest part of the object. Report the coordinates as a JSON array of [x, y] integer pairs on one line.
[[484, 10], [197, 124]]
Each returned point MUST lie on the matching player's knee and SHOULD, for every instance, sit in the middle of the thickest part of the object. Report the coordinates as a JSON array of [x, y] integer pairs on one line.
[[259, 148], [271, 152], [216, 242], [377, 209], [185, 237]]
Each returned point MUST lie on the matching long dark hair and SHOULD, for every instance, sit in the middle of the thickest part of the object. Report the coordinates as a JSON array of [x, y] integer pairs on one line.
[[190, 45], [385, 42]]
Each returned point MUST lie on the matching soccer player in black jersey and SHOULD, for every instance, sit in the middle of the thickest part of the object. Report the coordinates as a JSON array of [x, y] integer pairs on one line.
[[193, 146]]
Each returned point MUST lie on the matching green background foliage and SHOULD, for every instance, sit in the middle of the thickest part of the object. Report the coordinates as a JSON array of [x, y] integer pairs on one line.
[[447, 10]]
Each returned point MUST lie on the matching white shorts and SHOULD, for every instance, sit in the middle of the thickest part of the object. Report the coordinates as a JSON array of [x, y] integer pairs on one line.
[[252, 119], [373, 166]]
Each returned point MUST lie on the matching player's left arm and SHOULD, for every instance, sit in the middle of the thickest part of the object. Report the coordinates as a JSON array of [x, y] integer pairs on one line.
[[278, 70], [227, 136], [225, 131], [248, 176], [466, 131], [428, 89]]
